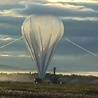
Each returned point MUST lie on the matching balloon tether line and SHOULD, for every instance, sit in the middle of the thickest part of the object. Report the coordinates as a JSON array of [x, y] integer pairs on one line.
[[81, 47], [65, 39], [11, 42]]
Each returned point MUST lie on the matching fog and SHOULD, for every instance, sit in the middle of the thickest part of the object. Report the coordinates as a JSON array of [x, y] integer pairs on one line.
[[17, 77]]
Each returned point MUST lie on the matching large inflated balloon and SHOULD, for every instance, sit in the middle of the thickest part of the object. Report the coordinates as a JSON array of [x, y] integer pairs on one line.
[[42, 34]]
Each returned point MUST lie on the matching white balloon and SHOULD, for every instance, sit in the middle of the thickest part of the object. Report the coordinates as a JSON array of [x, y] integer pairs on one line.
[[42, 34]]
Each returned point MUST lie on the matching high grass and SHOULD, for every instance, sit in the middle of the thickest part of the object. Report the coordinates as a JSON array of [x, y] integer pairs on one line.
[[31, 90]]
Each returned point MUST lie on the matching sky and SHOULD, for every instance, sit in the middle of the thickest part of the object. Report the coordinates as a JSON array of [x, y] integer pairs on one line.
[[80, 19]]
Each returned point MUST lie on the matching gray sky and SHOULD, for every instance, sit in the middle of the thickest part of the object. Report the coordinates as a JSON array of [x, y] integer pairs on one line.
[[80, 18]]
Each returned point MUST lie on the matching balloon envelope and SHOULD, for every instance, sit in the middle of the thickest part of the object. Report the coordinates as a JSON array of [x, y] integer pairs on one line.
[[42, 34]]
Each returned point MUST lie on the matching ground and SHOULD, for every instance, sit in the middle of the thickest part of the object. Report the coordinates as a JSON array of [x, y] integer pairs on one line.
[[31, 90]]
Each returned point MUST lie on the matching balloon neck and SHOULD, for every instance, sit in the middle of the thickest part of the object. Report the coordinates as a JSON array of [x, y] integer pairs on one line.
[[42, 79]]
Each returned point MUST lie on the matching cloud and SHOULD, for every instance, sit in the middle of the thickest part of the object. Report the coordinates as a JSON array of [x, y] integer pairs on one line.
[[11, 6], [70, 7], [24, 62], [18, 56], [75, 1], [65, 48], [5, 38], [9, 9], [5, 55], [11, 25], [23, 55], [77, 23], [80, 28], [80, 18], [11, 13], [58, 9], [63, 6], [75, 63]]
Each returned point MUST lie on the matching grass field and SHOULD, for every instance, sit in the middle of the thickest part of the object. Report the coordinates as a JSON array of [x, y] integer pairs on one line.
[[31, 90]]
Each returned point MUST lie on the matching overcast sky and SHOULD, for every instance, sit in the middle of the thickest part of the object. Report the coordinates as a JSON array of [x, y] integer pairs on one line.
[[80, 18]]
